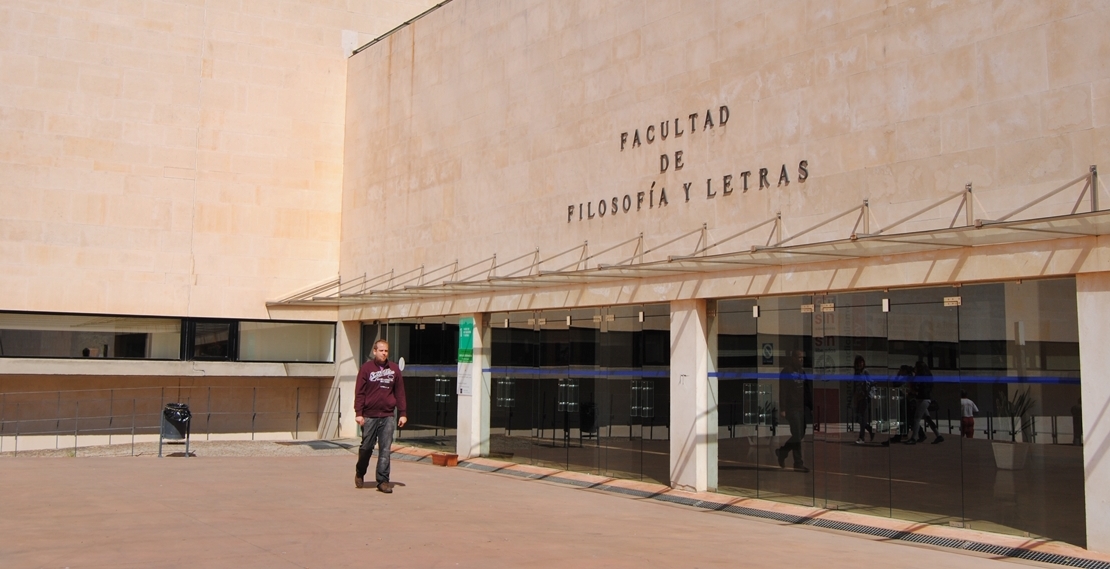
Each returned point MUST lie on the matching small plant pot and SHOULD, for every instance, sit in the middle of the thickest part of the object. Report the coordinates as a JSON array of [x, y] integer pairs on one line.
[[1010, 456], [445, 459]]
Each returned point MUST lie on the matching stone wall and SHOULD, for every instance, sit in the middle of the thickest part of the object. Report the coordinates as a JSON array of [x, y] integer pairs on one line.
[[179, 157], [501, 128]]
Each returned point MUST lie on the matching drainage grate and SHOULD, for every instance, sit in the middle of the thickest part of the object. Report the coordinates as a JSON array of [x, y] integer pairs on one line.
[[318, 445], [1000, 551], [676, 499], [408, 457], [481, 467], [997, 550], [949, 543], [625, 491]]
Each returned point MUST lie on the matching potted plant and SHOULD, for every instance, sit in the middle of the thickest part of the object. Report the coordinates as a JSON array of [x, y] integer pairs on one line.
[[1011, 454]]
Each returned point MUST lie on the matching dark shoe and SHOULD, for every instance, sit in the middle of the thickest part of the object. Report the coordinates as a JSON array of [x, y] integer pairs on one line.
[[921, 439], [910, 442], [939, 439], [872, 433], [885, 443], [358, 482], [781, 455], [385, 487]]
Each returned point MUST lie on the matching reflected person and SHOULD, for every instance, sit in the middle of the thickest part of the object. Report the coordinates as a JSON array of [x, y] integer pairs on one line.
[[968, 409], [861, 398], [796, 404], [923, 395]]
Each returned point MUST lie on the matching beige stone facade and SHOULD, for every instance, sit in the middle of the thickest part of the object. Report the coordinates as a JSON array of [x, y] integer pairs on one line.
[[198, 159], [174, 157], [545, 140], [499, 129]]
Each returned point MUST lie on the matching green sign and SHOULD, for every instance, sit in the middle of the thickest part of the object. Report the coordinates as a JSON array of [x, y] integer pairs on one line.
[[466, 340]]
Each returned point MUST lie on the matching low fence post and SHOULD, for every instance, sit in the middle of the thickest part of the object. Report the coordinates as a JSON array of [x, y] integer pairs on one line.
[[58, 423], [133, 427], [76, 416], [111, 413]]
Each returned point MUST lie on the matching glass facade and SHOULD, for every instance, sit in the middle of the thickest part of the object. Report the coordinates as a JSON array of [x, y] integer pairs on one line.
[[36, 335], [856, 401], [30, 335], [430, 351], [286, 342], [583, 389]]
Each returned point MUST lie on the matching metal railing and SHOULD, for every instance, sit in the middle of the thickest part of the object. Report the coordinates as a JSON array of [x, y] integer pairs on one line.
[[76, 418]]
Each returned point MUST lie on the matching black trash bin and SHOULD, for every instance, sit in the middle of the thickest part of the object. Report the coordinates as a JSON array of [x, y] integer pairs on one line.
[[175, 425]]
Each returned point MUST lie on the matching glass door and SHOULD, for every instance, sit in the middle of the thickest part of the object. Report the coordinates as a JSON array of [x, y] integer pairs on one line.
[[785, 340], [623, 401], [850, 364], [923, 362], [1021, 443], [654, 397], [514, 422], [745, 408]]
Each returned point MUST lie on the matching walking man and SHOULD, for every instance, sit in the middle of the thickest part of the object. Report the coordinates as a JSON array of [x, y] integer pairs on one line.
[[379, 391]]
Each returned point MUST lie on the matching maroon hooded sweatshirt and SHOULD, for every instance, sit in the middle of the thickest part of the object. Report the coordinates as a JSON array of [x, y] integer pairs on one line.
[[378, 390]]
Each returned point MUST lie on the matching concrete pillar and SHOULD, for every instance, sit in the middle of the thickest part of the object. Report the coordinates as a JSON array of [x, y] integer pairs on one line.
[[1093, 298], [339, 411], [472, 437], [690, 416]]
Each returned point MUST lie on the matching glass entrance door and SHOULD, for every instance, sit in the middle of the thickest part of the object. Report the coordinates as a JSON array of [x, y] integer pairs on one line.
[[514, 423], [923, 363], [583, 389], [972, 394], [633, 401], [747, 413], [785, 331], [850, 370]]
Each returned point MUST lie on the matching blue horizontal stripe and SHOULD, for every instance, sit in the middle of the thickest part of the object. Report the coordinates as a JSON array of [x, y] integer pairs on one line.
[[412, 368], [772, 376], [570, 372], [927, 379]]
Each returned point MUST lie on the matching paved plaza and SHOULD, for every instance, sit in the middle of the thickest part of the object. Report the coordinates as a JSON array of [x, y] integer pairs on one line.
[[295, 505]]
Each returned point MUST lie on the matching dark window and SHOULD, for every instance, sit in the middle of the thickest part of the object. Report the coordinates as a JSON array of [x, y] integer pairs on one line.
[[211, 340]]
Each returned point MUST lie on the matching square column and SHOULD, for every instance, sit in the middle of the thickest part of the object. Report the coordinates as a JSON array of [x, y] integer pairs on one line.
[[473, 389], [339, 410], [690, 396], [1093, 298]]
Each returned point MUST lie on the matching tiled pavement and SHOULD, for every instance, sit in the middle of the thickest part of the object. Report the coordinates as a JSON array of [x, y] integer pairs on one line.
[[278, 507]]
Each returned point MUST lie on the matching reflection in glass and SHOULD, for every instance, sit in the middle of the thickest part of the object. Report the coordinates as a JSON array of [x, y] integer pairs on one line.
[[80, 336], [997, 363], [588, 389], [287, 342], [210, 340]]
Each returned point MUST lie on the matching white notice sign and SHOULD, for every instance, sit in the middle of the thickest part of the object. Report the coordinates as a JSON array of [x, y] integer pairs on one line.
[[465, 374]]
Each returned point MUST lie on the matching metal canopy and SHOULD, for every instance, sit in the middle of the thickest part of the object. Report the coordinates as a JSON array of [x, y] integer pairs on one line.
[[448, 280]]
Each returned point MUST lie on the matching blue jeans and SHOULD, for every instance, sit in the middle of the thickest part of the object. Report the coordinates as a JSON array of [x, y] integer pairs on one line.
[[379, 429]]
